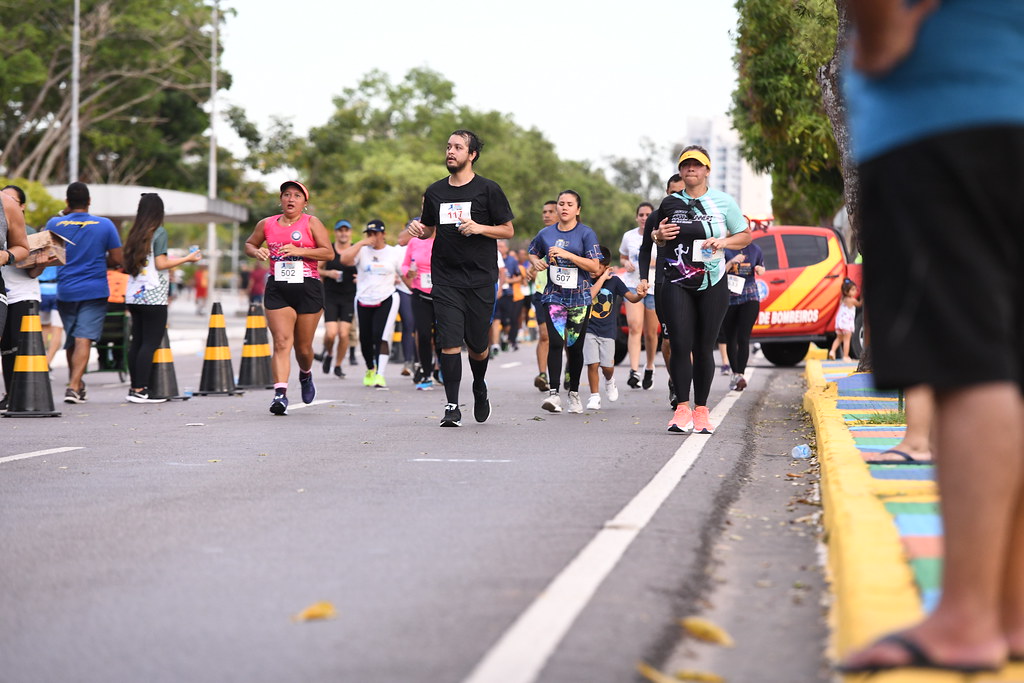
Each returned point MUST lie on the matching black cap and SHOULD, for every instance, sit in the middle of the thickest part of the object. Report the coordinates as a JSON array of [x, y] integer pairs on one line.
[[376, 225]]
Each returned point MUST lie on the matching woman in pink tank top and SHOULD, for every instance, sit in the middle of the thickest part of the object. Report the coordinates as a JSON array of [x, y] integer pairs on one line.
[[294, 298]]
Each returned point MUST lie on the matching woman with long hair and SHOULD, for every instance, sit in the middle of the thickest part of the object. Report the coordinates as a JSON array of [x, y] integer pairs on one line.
[[146, 262]]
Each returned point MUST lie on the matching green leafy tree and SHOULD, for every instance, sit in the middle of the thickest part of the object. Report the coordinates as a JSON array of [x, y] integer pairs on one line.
[[41, 205], [778, 108], [144, 76]]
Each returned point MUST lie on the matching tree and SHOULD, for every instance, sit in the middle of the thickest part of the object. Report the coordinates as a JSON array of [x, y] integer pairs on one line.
[[41, 206], [777, 104], [643, 175], [144, 76]]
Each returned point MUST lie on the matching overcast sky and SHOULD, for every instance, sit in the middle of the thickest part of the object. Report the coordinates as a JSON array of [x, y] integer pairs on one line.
[[594, 78]]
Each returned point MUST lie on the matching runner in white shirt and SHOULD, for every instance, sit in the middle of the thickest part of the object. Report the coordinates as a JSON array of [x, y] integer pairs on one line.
[[641, 317]]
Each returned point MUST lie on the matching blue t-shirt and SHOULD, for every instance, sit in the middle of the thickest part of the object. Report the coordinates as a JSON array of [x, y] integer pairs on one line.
[[582, 241], [745, 270], [603, 314], [511, 270], [84, 276], [966, 71]]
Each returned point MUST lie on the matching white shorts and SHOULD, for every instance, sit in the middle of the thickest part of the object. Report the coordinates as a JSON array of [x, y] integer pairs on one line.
[[600, 350]]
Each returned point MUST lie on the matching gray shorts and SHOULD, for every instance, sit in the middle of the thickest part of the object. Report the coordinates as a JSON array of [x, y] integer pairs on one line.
[[600, 350]]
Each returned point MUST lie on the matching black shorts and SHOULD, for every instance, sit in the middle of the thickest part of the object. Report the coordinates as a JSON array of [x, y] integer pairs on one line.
[[339, 307], [463, 314], [305, 297], [942, 241]]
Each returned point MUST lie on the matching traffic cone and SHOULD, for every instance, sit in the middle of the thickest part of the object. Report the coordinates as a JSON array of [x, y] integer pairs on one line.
[[255, 371], [163, 382], [218, 376], [31, 394]]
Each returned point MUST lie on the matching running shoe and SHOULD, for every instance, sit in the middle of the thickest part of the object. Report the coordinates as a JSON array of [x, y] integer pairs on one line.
[[338, 372], [726, 369], [143, 397], [327, 362], [741, 383], [682, 419], [279, 406], [369, 378], [452, 416], [481, 406], [425, 385], [378, 381], [407, 369], [552, 403], [611, 389], [318, 356], [634, 379], [495, 350], [541, 381], [417, 374], [352, 356], [575, 405], [308, 388], [594, 402], [72, 396], [701, 424], [648, 379], [732, 382]]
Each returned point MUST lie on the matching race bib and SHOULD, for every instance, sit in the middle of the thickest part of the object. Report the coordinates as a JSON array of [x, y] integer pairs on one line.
[[705, 255], [735, 283], [288, 271], [425, 281], [455, 213], [566, 278]]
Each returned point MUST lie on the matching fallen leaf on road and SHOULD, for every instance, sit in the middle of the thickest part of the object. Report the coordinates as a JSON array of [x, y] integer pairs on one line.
[[213, 461], [795, 476], [705, 676], [702, 629], [652, 674], [537, 418], [318, 610]]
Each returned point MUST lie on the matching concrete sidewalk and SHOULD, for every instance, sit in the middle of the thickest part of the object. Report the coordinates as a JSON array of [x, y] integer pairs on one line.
[[882, 525]]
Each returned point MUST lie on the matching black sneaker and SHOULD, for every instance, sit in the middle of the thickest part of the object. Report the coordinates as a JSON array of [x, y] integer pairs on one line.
[[143, 397], [634, 379], [318, 356], [279, 406], [338, 372], [648, 379], [72, 396], [308, 388], [481, 406], [328, 358], [452, 416]]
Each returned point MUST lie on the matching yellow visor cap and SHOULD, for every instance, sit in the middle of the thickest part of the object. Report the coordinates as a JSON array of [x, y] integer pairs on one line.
[[695, 154]]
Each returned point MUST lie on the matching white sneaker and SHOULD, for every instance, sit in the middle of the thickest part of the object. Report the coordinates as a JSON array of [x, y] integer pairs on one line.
[[594, 402], [611, 390], [553, 403], [575, 406], [732, 381]]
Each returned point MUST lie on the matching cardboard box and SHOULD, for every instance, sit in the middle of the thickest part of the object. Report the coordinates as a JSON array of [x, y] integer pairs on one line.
[[44, 246]]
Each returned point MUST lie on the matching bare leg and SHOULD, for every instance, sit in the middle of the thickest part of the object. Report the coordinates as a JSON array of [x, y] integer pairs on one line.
[[330, 334], [344, 329], [78, 359], [1013, 577], [282, 329], [920, 407], [305, 332], [635, 320], [593, 378], [542, 347]]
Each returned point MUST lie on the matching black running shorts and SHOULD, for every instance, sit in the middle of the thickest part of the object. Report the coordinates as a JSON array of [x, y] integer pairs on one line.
[[305, 297], [463, 314]]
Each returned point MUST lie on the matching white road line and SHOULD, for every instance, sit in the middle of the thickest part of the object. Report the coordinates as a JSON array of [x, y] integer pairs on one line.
[[513, 364], [523, 650], [36, 454], [297, 406], [454, 460]]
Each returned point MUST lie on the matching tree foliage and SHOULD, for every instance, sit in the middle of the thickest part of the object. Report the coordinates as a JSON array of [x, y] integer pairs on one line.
[[145, 73], [385, 143], [777, 104], [40, 205]]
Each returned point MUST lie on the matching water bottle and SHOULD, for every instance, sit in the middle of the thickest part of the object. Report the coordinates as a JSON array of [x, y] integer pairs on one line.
[[801, 452]]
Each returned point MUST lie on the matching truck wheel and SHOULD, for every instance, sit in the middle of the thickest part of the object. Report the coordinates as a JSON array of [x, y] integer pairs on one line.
[[785, 354], [857, 341]]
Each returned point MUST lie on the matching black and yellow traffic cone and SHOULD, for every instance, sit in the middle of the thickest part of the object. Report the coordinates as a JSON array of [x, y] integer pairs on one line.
[[163, 382], [255, 371], [218, 376], [31, 394]]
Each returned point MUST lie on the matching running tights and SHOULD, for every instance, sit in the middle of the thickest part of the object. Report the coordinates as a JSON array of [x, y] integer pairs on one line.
[[148, 326], [739, 321], [423, 312], [693, 319], [373, 322], [575, 329]]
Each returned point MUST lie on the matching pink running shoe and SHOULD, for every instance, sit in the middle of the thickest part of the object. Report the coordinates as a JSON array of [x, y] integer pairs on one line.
[[681, 420], [701, 424]]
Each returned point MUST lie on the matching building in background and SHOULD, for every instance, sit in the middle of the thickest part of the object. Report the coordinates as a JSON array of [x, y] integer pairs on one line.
[[730, 172]]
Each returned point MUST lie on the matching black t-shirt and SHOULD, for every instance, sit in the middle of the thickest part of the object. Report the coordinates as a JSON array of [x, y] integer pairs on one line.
[[346, 286], [457, 260]]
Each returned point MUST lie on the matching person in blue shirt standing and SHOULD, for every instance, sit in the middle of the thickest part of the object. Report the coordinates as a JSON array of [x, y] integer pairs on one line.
[[82, 289], [571, 254], [935, 103], [744, 305]]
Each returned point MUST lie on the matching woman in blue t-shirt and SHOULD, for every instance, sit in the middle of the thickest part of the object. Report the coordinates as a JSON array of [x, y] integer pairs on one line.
[[741, 266], [570, 253]]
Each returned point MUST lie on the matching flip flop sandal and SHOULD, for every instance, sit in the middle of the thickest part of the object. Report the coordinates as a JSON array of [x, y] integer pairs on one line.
[[918, 659], [904, 459]]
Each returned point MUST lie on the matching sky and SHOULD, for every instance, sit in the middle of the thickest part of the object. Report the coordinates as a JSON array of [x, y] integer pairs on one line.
[[594, 78]]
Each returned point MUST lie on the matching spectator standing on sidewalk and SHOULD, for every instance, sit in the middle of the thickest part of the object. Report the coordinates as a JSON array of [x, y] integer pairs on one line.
[[938, 135], [82, 288]]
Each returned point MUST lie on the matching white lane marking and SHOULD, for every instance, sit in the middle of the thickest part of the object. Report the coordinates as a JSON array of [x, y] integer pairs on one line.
[[36, 454], [454, 460], [513, 364], [523, 650], [308, 405]]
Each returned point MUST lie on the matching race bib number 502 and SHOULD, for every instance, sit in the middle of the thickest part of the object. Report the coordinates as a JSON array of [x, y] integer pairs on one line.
[[454, 213]]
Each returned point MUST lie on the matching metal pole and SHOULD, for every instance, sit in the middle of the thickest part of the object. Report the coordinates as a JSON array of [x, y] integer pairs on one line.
[[75, 65], [211, 228]]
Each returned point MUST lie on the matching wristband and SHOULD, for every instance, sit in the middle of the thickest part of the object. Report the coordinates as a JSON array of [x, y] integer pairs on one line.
[[10, 257]]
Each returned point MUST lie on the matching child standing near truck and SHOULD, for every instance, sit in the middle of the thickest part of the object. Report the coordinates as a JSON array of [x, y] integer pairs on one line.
[[845, 318]]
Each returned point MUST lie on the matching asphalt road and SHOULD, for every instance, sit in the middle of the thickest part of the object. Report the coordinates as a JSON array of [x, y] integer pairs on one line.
[[176, 541]]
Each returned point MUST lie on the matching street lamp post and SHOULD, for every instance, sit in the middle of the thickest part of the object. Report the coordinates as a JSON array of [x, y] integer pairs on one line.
[[75, 66], [211, 228]]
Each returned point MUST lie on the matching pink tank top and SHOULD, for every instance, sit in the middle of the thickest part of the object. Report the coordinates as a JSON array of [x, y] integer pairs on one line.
[[299, 234]]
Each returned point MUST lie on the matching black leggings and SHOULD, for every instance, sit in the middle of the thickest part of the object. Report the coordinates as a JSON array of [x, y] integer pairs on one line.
[[573, 352], [739, 321], [148, 326], [693, 319], [372, 322], [11, 336], [423, 312]]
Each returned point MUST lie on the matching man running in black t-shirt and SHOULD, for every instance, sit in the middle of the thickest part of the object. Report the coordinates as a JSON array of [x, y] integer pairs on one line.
[[466, 213]]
